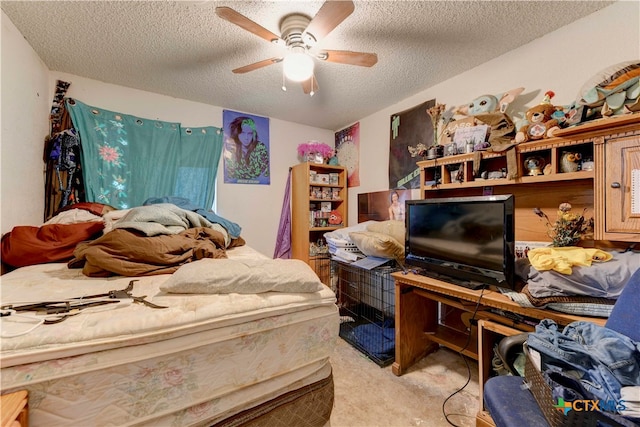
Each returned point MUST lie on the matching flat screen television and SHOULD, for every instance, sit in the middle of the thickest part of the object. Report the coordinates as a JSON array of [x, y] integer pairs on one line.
[[468, 241]]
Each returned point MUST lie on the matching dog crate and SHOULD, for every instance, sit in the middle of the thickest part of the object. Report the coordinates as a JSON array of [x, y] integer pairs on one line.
[[321, 264], [367, 308]]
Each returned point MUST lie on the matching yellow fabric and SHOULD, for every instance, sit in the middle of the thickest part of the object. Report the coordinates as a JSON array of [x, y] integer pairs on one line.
[[563, 258]]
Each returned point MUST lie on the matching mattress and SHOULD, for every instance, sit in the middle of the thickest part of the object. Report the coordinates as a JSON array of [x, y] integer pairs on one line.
[[199, 361]]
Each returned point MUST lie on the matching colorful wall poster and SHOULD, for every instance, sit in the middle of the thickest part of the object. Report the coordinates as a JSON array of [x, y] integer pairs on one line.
[[348, 152], [246, 148], [408, 128]]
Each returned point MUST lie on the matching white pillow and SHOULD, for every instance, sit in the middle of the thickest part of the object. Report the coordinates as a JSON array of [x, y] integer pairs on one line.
[[251, 276]]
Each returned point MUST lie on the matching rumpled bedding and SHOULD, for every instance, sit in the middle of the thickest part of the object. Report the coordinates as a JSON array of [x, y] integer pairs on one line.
[[127, 252], [55, 240], [232, 228], [587, 291], [601, 280], [29, 245], [164, 218], [146, 240]]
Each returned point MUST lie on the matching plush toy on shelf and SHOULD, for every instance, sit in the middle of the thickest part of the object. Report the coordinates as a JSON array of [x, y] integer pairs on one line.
[[612, 91], [335, 218], [540, 121], [570, 162], [489, 103], [483, 110]]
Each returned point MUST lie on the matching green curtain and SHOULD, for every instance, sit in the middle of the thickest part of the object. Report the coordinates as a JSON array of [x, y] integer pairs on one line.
[[128, 159]]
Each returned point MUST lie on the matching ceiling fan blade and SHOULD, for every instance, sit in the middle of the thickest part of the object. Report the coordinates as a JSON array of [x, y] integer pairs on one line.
[[362, 59], [256, 65], [310, 85], [330, 15], [242, 21]]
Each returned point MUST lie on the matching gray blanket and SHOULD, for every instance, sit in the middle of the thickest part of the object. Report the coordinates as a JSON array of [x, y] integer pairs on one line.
[[164, 218]]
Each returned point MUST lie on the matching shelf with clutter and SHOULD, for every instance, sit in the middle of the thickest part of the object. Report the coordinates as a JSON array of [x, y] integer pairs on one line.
[[479, 144], [610, 98], [582, 153], [585, 168], [319, 203], [565, 156], [555, 159]]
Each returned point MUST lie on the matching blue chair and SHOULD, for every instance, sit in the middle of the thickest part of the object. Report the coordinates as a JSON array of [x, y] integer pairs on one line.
[[511, 404]]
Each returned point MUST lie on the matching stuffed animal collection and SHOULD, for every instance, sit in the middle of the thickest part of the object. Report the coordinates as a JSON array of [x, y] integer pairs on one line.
[[615, 90], [480, 110]]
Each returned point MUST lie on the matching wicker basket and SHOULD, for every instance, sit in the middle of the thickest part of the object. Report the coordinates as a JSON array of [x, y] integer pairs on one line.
[[542, 392], [555, 417]]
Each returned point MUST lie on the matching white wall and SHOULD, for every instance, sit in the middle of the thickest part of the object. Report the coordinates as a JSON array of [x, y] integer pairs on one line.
[[561, 61], [24, 120]]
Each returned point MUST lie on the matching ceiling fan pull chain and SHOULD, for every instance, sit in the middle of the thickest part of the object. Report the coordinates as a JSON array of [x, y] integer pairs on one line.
[[284, 81], [312, 82]]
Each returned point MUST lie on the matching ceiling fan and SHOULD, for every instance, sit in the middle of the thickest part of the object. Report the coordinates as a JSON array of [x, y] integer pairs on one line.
[[299, 34]]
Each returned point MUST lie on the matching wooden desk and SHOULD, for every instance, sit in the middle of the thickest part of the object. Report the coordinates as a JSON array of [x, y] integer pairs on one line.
[[418, 331]]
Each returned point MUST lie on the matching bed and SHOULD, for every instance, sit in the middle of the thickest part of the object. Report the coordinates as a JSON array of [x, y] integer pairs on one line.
[[215, 358]]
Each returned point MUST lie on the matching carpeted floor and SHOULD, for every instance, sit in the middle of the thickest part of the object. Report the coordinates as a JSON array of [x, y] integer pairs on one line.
[[369, 396]]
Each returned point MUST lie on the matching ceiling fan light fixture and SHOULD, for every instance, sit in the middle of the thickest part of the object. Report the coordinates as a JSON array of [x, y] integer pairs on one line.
[[298, 66], [298, 34]]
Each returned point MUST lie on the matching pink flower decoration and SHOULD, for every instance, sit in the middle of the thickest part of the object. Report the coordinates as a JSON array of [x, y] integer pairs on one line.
[[315, 147]]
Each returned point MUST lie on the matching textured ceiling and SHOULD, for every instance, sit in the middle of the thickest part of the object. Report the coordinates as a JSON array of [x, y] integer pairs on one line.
[[182, 49]]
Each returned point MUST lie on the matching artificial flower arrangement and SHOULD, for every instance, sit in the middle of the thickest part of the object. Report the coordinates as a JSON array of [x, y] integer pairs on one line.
[[569, 228], [313, 150], [439, 123]]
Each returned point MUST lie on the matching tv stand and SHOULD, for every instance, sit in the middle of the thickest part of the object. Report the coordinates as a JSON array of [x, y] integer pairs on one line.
[[418, 331], [469, 284]]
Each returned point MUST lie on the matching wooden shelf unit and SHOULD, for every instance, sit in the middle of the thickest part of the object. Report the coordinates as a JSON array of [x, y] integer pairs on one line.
[[305, 231], [604, 191]]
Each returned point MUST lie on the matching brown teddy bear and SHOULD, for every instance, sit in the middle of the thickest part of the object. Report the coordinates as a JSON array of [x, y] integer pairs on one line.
[[540, 122]]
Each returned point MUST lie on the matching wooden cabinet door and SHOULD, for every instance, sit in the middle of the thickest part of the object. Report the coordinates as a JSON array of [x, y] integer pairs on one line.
[[622, 196]]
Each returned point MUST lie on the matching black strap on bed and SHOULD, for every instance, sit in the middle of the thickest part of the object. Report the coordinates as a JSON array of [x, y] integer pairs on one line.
[[72, 307]]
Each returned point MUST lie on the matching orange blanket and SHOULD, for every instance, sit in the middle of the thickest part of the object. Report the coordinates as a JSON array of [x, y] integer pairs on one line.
[[28, 245]]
